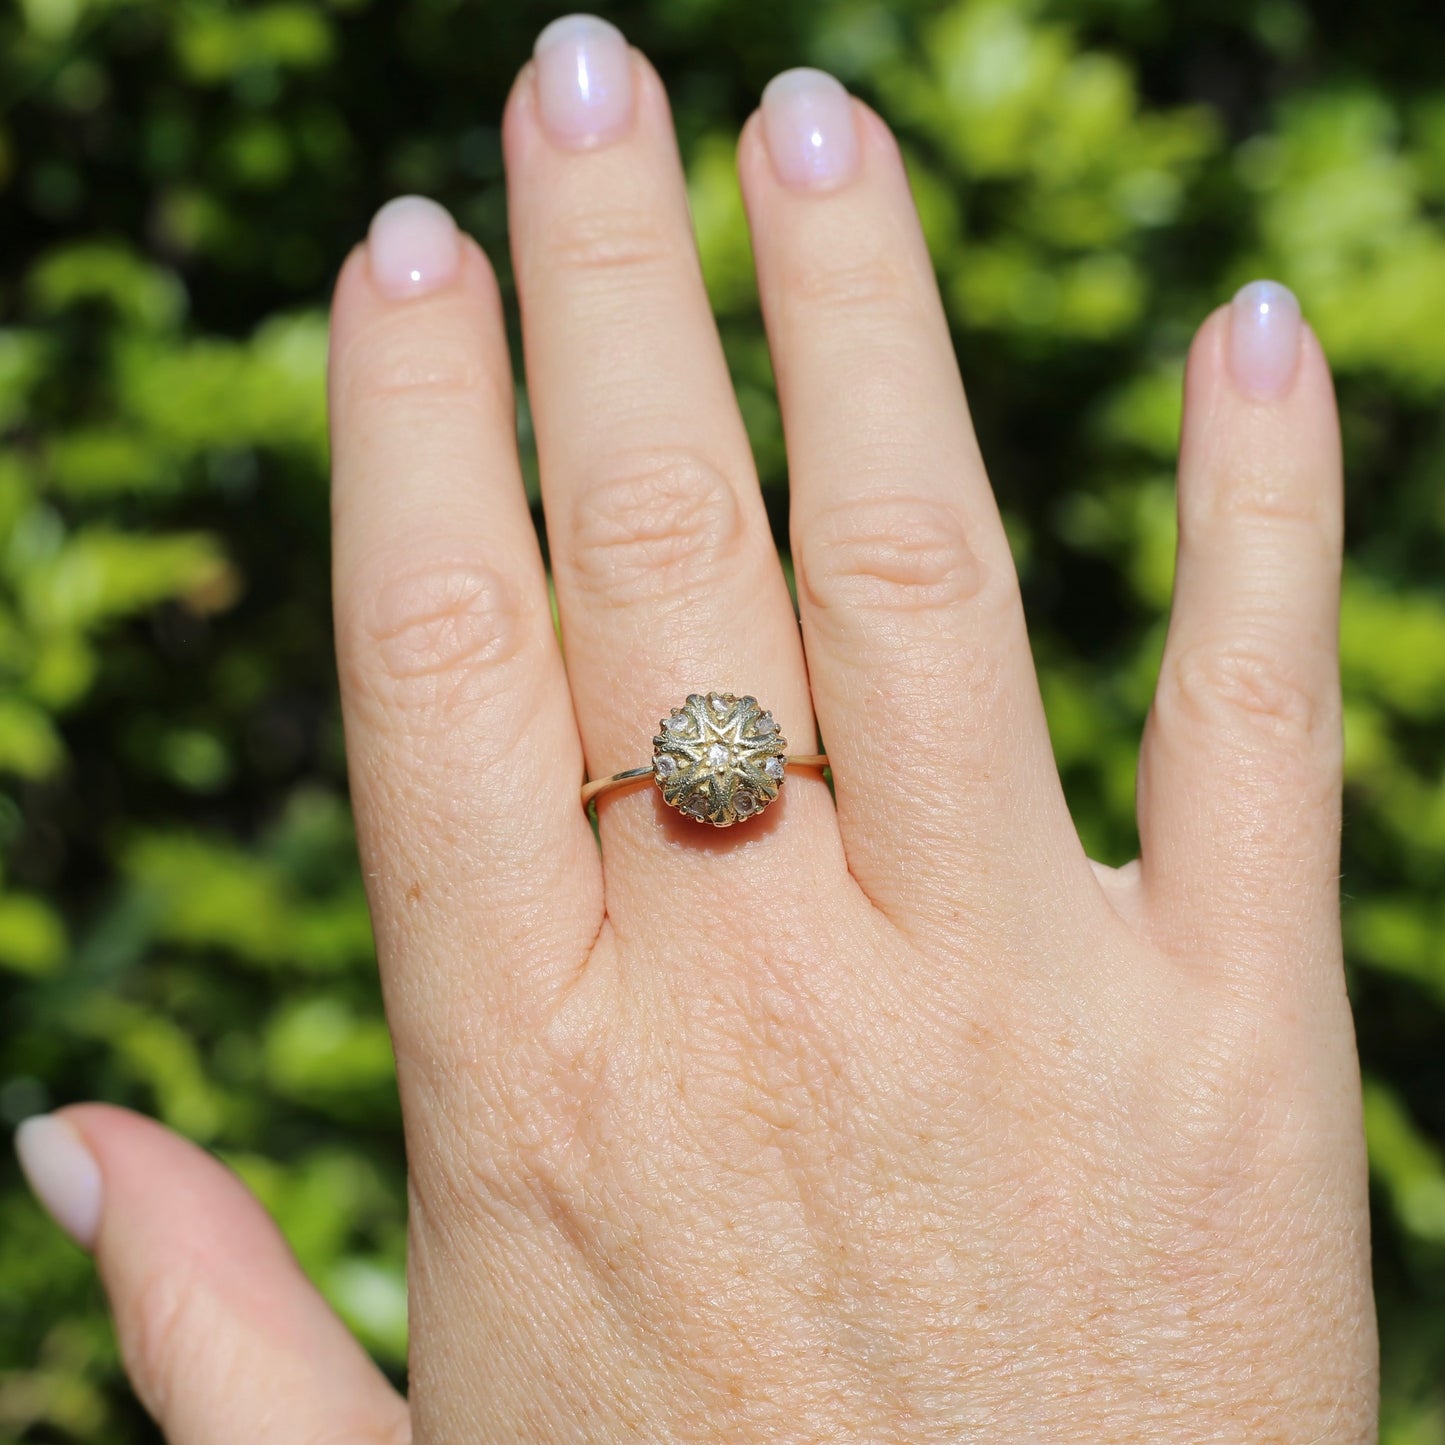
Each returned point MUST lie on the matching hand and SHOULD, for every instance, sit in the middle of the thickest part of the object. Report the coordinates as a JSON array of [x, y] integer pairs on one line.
[[892, 1120]]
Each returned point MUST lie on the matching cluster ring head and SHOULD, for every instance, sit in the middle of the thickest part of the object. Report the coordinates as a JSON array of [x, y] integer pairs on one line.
[[719, 758]]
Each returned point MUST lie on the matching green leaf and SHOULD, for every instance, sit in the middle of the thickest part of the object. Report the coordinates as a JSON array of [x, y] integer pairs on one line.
[[100, 575], [1392, 645], [100, 272], [157, 1052], [215, 43], [1407, 1163], [98, 462], [32, 937], [723, 241], [29, 744], [320, 1047]]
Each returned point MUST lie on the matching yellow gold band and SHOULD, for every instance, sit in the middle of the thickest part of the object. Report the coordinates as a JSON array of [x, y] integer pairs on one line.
[[636, 775]]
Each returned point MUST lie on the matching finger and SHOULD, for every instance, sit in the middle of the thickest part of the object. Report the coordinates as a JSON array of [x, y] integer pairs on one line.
[[463, 752], [225, 1340], [916, 643], [1240, 770], [668, 580]]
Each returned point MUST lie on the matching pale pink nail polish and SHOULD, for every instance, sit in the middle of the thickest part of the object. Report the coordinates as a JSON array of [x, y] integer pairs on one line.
[[414, 246], [1264, 337], [584, 81], [809, 130], [62, 1174]]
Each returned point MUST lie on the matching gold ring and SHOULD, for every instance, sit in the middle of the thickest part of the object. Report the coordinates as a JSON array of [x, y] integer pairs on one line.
[[718, 759]]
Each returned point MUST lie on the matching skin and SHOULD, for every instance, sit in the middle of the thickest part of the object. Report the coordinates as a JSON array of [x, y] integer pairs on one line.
[[898, 1119]]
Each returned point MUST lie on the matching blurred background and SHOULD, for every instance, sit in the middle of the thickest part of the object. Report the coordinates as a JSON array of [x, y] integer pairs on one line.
[[182, 923]]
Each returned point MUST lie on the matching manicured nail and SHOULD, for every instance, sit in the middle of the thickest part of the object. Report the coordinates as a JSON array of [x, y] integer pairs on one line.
[[1264, 332], [63, 1174], [414, 246], [808, 126], [584, 81]]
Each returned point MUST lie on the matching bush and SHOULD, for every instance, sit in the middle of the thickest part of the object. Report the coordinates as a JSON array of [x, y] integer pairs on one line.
[[182, 923]]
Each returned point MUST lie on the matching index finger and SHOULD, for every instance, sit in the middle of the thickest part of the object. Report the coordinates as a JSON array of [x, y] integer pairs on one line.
[[481, 867]]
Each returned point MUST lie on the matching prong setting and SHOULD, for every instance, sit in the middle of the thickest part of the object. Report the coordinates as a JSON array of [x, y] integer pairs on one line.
[[719, 758]]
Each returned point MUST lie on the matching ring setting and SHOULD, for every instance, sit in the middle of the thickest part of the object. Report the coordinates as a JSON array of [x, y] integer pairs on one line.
[[717, 758]]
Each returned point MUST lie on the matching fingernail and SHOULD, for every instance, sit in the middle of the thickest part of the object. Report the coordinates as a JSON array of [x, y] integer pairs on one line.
[[414, 246], [1264, 332], [62, 1173], [808, 126], [584, 81]]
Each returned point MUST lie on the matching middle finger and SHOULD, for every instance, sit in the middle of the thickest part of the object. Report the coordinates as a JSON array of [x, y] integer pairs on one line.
[[667, 578]]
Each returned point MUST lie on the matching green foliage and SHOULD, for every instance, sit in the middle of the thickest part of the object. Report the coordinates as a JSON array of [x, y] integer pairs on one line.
[[182, 923]]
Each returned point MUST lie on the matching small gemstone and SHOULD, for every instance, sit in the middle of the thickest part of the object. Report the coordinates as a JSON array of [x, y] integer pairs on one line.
[[694, 699], [774, 769], [747, 703], [717, 756], [664, 766], [718, 703], [677, 723], [744, 803], [696, 805], [765, 727]]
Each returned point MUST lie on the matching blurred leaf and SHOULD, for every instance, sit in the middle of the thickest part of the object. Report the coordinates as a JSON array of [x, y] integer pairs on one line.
[[1392, 645], [32, 937], [318, 1048], [100, 575], [141, 295], [371, 1298], [723, 241], [217, 393], [1404, 936], [22, 362], [215, 42], [96, 462], [29, 743], [157, 1053], [1407, 1164]]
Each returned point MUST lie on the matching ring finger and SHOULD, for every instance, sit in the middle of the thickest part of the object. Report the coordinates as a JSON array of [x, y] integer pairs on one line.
[[911, 608], [667, 578]]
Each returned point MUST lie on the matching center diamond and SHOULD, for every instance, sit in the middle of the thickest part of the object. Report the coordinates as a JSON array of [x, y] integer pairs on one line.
[[719, 758]]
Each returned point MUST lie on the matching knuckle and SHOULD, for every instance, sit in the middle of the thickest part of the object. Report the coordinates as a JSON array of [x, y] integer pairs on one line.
[[392, 1429], [158, 1325], [618, 238], [396, 363], [1261, 498], [1259, 490], [667, 520], [441, 636], [1246, 688], [875, 279], [893, 553]]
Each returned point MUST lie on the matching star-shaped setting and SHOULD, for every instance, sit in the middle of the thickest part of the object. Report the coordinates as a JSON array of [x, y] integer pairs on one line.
[[719, 758]]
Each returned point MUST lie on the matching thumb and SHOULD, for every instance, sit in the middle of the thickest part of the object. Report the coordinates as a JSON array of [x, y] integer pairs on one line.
[[224, 1338]]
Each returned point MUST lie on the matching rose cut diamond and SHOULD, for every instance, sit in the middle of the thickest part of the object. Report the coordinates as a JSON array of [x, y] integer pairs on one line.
[[718, 758]]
